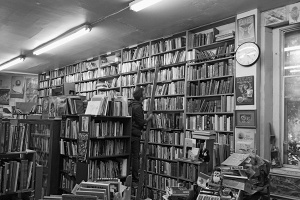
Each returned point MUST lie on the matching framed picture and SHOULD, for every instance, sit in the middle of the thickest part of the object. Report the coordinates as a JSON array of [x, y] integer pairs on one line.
[[244, 90], [246, 29], [245, 118], [245, 140], [84, 124]]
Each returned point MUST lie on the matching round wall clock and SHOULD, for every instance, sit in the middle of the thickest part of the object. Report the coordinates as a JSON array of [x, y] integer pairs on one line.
[[247, 54]]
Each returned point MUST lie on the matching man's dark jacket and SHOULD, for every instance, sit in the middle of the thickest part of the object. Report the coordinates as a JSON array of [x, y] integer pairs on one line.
[[138, 120]]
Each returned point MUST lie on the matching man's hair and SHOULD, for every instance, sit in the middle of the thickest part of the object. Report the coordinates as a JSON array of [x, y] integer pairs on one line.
[[138, 93]]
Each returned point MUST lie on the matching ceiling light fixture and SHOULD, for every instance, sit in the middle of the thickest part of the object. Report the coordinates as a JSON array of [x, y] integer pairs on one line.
[[12, 62], [64, 39], [138, 5]]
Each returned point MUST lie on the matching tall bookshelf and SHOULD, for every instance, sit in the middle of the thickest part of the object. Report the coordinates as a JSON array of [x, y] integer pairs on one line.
[[108, 149], [210, 83], [68, 152], [17, 163], [44, 139]]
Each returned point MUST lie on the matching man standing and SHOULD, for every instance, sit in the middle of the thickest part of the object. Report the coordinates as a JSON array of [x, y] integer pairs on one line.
[[138, 123]]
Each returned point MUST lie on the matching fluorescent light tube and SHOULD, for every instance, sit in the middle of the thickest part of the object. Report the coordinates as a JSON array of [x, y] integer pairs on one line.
[[83, 30], [292, 67], [292, 48], [138, 5], [11, 63]]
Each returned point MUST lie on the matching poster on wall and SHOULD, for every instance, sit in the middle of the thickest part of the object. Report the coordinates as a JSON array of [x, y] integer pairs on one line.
[[31, 90], [4, 96], [17, 87], [244, 141], [5, 82], [294, 12], [246, 29], [244, 90], [276, 17]]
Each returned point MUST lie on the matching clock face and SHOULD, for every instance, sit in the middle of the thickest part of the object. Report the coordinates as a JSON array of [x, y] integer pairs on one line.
[[247, 54]]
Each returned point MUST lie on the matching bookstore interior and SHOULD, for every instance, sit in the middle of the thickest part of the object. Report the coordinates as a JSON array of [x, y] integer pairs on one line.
[[216, 82]]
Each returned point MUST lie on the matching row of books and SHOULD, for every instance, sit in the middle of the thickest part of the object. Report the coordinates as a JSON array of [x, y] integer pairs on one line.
[[128, 80], [69, 128], [82, 67], [106, 128], [44, 84], [68, 148], [166, 103], [132, 66], [167, 120], [69, 165], [172, 88], [210, 87], [109, 70], [136, 53], [220, 52], [169, 58], [165, 152], [67, 182], [42, 158], [98, 169], [107, 106], [40, 143], [57, 81], [82, 76], [223, 104], [188, 171], [166, 137], [168, 45], [225, 35], [86, 86], [107, 147], [209, 122], [13, 138], [160, 182], [224, 138], [16, 175], [203, 38], [43, 77], [221, 153], [162, 167], [171, 73], [57, 73], [203, 71], [128, 92]]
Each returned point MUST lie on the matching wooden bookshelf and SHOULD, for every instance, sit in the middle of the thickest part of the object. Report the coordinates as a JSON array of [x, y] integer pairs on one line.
[[17, 163], [108, 148], [44, 139]]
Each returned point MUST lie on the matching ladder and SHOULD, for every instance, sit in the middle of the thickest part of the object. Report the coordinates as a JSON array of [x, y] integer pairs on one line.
[[145, 146]]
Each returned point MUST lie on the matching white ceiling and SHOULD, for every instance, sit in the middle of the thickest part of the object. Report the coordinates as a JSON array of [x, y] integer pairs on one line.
[[27, 24]]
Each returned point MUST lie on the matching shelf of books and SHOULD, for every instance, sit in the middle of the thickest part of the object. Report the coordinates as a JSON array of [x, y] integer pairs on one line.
[[43, 137], [17, 163], [68, 152], [104, 144], [210, 83], [134, 58], [109, 76]]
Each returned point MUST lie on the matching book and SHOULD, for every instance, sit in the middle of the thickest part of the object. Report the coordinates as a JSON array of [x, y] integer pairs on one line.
[[93, 108], [98, 185]]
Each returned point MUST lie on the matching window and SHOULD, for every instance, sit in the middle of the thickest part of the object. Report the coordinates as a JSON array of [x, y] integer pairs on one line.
[[291, 96]]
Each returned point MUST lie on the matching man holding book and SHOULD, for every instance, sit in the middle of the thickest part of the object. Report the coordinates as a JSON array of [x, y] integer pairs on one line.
[[138, 123]]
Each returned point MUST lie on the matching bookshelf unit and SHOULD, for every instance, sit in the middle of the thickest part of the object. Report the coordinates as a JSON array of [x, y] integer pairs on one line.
[[44, 139], [17, 163], [108, 149], [210, 82], [68, 152]]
